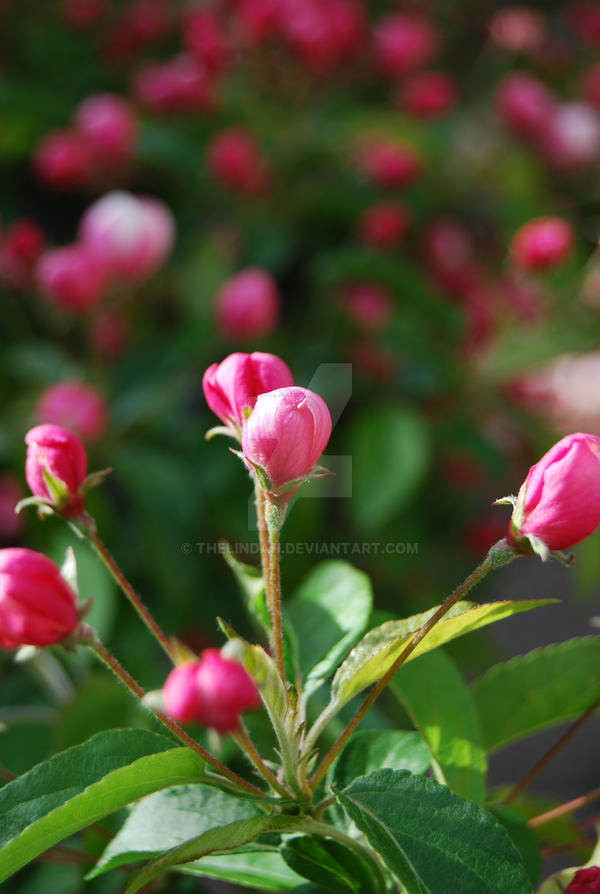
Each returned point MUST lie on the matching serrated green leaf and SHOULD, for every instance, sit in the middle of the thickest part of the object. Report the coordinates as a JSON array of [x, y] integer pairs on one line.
[[521, 836], [440, 705], [169, 818], [373, 656], [80, 786], [328, 613], [329, 864], [537, 690], [219, 840], [263, 869], [434, 841], [370, 750]]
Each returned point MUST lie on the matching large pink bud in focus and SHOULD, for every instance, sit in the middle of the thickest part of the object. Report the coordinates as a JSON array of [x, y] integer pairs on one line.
[[285, 434], [248, 305], [585, 881], [211, 690], [232, 386], [37, 607], [403, 42], [108, 124], [57, 451], [71, 278], [63, 160], [559, 503], [129, 236], [78, 408], [541, 243]]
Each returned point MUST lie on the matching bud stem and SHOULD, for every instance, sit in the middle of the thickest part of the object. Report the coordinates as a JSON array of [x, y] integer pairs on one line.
[[247, 745], [500, 554], [569, 807], [274, 516], [119, 671], [91, 536]]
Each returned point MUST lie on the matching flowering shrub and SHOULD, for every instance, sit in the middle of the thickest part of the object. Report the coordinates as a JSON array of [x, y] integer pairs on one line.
[[397, 204]]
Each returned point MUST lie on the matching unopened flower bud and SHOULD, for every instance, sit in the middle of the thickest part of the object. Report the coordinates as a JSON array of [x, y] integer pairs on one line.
[[248, 304], [403, 42], [541, 243], [76, 407], [37, 607], [108, 124], [284, 436], [559, 502], [585, 881], [60, 454], [231, 387], [211, 690], [71, 278]]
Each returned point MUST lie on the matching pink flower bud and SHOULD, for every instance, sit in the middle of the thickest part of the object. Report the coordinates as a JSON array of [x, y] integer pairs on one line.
[[76, 407], [179, 85], [37, 607], [234, 159], [285, 435], [427, 95], [22, 244], [571, 139], [63, 160], [233, 385], [248, 305], [559, 503], [129, 236], [205, 40], [390, 164], [585, 881], [369, 305], [404, 42], [541, 243], [211, 690], [109, 334], [60, 453], [10, 494], [71, 278], [83, 13], [108, 125], [525, 104], [383, 225], [322, 34], [518, 29]]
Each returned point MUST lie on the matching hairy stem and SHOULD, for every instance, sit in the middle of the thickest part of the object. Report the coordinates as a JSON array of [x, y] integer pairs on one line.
[[500, 554], [111, 662], [551, 753], [274, 515], [90, 534], [568, 807], [247, 745]]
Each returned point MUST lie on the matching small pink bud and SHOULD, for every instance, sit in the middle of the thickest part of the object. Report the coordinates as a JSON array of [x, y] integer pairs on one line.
[[404, 42], [525, 104], [57, 451], [233, 385], [37, 607], [71, 278], [383, 225], [179, 85], [108, 125], [10, 494], [129, 236], [427, 95], [518, 29], [63, 160], [285, 434], [211, 690], [109, 334], [571, 139], [204, 38], [390, 163], [22, 244], [541, 243], [585, 881], [369, 305], [248, 305], [78, 408], [234, 159], [559, 503]]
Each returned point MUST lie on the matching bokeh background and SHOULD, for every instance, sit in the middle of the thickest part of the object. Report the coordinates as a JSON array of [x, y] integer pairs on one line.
[[339, 182]]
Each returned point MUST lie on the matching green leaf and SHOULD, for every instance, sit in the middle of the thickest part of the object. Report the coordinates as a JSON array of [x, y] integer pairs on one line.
[[219, 840], [521, 836], [441, 707], [537, 690], [433, 840], [169, 818], [328, 613], [329, 864], [390, 455], [79, 786], [370, 750], [376, 652], [263, 869]]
